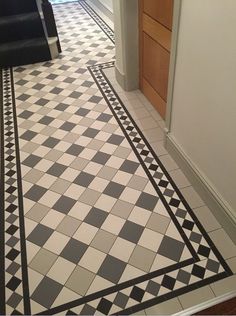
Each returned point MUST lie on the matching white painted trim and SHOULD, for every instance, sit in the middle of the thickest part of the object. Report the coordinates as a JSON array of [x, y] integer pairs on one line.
[[219, 207], [202, 306], [173, 58]]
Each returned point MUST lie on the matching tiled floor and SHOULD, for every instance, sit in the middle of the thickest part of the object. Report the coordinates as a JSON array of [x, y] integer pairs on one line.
[[93, 222]]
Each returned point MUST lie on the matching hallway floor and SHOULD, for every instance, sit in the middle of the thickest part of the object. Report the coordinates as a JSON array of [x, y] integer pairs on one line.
[[98, 217]]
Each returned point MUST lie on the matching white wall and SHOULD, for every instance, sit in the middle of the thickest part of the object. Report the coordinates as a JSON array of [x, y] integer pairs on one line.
[[203, 119]]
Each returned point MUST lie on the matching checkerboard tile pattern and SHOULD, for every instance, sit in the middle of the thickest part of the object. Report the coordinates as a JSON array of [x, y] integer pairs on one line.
[[94, 192]]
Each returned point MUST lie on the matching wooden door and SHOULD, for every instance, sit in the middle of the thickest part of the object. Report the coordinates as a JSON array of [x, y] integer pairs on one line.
[[155, 25]]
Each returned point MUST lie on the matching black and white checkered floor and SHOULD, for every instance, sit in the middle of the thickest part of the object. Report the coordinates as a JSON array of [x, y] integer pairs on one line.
[[93, 223]]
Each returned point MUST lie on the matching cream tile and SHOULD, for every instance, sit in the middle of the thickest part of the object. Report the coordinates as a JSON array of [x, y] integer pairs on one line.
[[206, 218], [113, 224], [92, 259], [224, 286], [56, 243], [196, 297], [52, 219], [168, 162], [192, 197], [220, 239], [168, 307], [61, 270], [179, 178], [85, 233], [122, 249], [232, 264], [150, 240], [80, 210], [49, 198]]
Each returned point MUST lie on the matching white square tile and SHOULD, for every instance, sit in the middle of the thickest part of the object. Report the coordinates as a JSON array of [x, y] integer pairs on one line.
[[61, 270], [56, 243], [122, 249], [92, 259], [85, 233], [113, 224]]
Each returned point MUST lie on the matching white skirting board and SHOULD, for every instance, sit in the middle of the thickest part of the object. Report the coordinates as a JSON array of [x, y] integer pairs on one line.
[[102, 7], [201, 307], [220, 209]]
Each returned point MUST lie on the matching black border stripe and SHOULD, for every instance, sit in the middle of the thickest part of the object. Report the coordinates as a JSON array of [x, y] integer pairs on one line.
[[25, 281], [2, 204], [117, 288]]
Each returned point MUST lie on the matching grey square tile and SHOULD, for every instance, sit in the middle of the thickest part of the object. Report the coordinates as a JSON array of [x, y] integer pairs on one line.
[[75, 150], [28, 135], [91, 132], [68, 226], [107, 173], [74, 251], [104, 117], [46, 120], [131, 232], [142, 258], [43, 261], [95, 99], [40, 235], [75, 95], [129, 166], [84, 179], [171, 248], [61, 107], [115, 139], [112, 269], [67, 126], [147, 201], [103, 241], [44, 297], [56, 169], [82, 112], [89, 197], [35, 193], [158, 223], [56, 90], [101, 158], [51, 142], [31, 161], [122, 209], [137, 183], [96, 217], [114, 189], [80, 280], [37, 212], [60, 186], [33, 176], [64, 204], [26, 114]]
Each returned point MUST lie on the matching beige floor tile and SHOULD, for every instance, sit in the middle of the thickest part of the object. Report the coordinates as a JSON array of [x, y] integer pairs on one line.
[[85, 233], [159, 148], [113, 224], [232, 264], [49, 198], [56, 243], [52, 219], [37, 212], [99, 284], [61, 270], [60, 186], [221, 239], [80, 210], [122, 249], [168, 162], [169, 307], [92, 259], [150, 240], [207, 219], [179, 178], [122, 209], [224, 286], [192, 197], [158, 223], [142, 258], [196, 297], [139, 216]]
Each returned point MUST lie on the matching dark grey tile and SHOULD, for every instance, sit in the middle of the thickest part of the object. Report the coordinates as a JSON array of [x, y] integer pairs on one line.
[[82, 112], [14, 300], [56, 90], [56, 169], [96, 217], [131, 232], [38, 86], [171, 248], [28, 135], [46, 292], [129, 166], [64, 204], [40, 235], [87, 84], [31, 161], [46, 120], [84, 179], [147, 201], [114, 189], [74, 251], [61, 107], [104, 117], [35, 193], [95, 99], [75, 95], [112, 269], [42, 102], [68, 126], [26, 114], [75, 150], [115, 139], [91, 132], [51, 142], [121, 300], [23, 97], [101, 158]]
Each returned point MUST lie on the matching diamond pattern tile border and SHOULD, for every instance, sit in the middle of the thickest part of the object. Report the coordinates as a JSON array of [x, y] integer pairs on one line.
[[205, 266]]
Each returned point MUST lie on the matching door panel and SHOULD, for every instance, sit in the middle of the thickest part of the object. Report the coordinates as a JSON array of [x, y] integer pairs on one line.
[[155, 18], [160, 10], [155, 65]]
